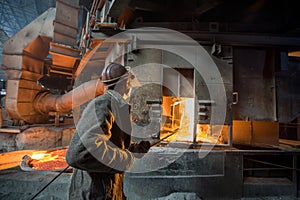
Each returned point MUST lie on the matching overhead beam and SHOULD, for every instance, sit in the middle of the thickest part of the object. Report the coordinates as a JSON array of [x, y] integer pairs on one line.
[[245, 39], [232, 39]]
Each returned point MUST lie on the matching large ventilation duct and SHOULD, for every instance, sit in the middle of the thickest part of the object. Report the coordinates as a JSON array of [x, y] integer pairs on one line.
[[64, 47], [23, 61], [46, 102], [24, 57]]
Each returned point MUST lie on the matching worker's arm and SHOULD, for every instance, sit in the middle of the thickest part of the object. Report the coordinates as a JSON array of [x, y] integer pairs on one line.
[[90, 148]]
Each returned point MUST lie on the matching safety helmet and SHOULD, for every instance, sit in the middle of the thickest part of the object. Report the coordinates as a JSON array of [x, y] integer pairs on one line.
[[113, 72]]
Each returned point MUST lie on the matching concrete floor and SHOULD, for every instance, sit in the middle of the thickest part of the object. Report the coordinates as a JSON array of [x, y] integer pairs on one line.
[[19, 185]]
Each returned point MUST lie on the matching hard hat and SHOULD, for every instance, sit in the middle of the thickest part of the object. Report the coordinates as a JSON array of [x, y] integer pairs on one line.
[[113, 72]]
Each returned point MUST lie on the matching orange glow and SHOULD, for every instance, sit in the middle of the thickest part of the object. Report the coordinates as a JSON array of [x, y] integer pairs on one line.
[[37, 156], [216, 134], [44, 157], [179, 114], [44, 160]]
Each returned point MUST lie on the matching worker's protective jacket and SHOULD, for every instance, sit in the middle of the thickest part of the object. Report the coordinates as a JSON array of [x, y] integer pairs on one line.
[[99, 149]]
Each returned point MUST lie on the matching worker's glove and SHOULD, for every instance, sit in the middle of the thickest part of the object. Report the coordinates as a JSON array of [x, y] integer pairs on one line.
[[140, 149]]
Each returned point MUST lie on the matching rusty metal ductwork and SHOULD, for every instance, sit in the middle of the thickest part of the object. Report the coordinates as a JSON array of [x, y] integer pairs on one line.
[[54, 32], [23, 61], [46, 102]]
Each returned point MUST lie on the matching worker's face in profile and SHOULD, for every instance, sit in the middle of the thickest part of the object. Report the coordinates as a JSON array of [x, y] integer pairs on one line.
[[123, 88], [127, 90], [131, 82]]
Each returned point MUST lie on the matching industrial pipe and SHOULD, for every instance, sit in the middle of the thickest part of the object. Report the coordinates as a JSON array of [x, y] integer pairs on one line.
[[46, 102]]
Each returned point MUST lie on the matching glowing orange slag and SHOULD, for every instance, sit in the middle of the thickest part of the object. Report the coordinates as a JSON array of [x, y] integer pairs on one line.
[[53, 160]]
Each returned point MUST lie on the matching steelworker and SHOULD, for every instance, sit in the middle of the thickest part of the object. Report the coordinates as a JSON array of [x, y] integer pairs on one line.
[[101, 149]]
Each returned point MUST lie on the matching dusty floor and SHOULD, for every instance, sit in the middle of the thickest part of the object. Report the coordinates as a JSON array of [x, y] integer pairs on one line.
[[19, 185]]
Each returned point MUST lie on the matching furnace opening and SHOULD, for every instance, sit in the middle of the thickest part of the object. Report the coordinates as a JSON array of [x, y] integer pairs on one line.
[[186, 115], [178, 117]]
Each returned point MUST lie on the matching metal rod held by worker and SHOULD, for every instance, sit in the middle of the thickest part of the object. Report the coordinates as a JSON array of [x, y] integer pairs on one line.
[[158, 141]]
